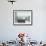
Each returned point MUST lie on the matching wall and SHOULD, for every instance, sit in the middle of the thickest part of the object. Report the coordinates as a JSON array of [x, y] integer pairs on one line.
[[38, 30]]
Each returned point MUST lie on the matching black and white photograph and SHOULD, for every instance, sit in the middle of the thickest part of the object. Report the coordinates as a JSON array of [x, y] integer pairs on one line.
[[22, 17]]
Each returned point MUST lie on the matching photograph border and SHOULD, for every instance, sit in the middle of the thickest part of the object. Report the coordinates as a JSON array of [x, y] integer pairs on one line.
[[24, 24]]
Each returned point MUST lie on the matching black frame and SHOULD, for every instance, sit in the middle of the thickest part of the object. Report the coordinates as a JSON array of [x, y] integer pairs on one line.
[[24, 24]]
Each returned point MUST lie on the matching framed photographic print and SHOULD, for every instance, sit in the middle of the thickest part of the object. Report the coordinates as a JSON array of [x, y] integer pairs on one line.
[[22, 17]]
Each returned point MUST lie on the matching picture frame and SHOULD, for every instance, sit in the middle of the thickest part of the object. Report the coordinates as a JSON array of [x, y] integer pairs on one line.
[[22, 17]]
